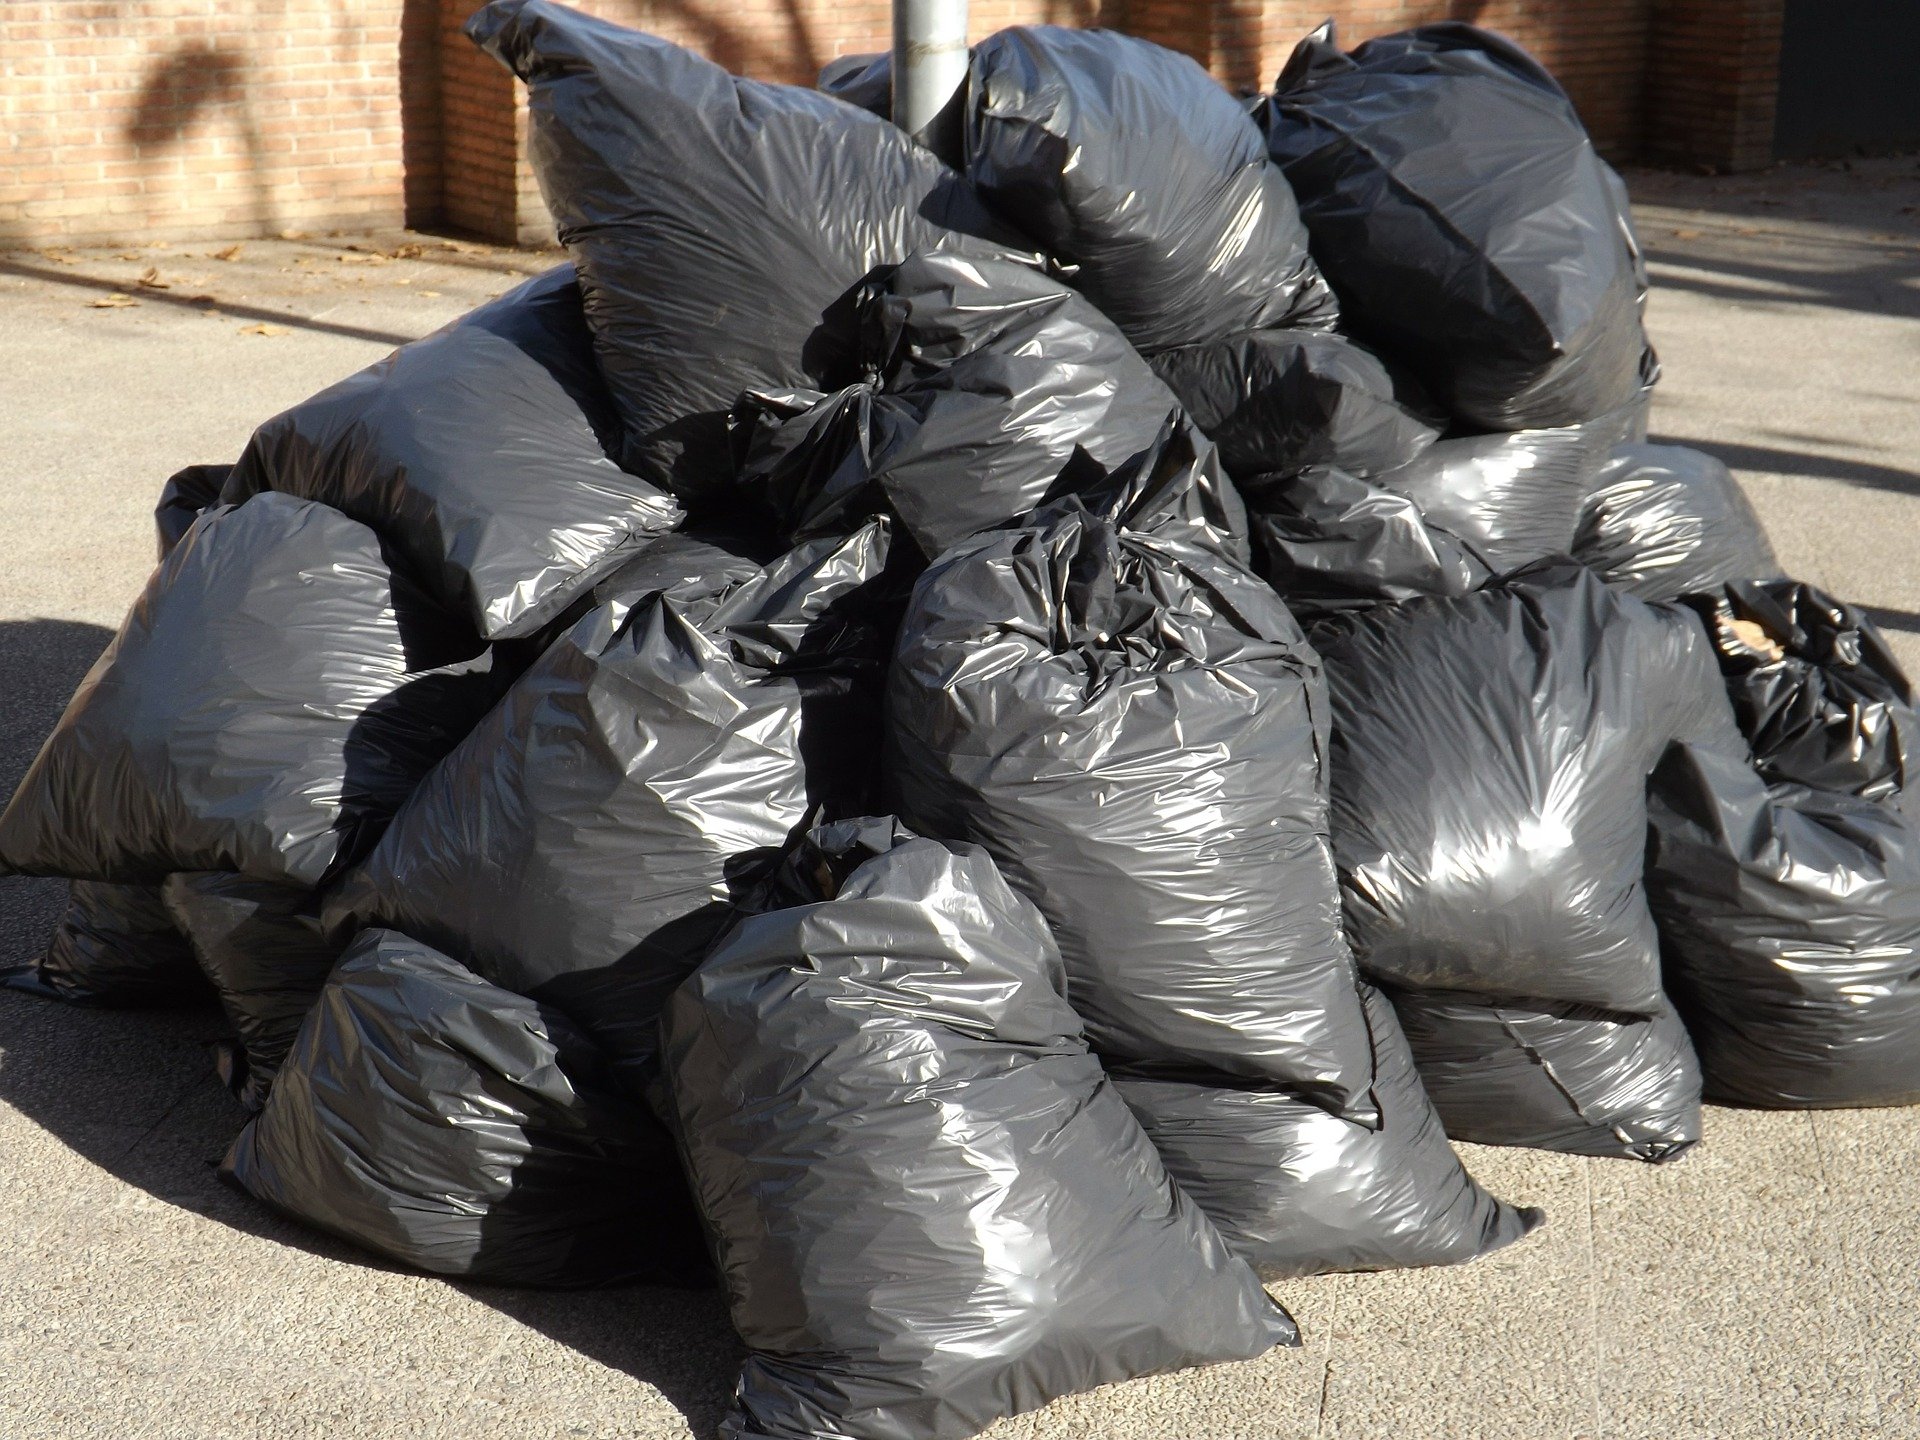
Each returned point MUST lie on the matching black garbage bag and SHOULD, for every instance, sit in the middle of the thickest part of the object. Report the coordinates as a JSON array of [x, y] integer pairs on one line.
[[1300, 1192], [719, 224], [1131, 163], [479, 454], [115, 947], [1328, 542], [1815, 688], [580, 846], [186, 493], [271, 698], [1790, 930], [930, 1208], [452, 1126], [1555, 1076], [262, 947], [862, 80], [1278, 401], [1665, 521], [1464, 219], [995, 389], [1135, 727]]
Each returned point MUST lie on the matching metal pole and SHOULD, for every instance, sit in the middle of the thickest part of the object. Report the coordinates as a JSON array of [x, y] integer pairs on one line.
[[929, 62]]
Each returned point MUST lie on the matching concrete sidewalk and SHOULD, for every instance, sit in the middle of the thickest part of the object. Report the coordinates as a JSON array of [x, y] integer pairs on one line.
[[1766, 1285]]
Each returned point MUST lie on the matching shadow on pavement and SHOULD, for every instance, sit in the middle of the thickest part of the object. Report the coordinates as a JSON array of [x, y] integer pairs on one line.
[[1772, 461], [134, 1093]]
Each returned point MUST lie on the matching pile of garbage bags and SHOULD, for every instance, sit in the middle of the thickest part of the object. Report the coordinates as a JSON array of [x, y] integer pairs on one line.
[[992, 745]]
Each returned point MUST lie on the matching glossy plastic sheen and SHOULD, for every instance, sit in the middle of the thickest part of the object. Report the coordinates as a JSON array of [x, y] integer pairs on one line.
[[271, 698], [453, 1127], [479, 454], [581, 844], [931, 1209], [1132, 164], [1461, 214], [719, 224], [115, 947], [1664, 521], [261, 946], [1277, 401]]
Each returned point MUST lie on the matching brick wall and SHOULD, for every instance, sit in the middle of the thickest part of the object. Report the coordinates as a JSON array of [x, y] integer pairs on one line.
[[166, 119]]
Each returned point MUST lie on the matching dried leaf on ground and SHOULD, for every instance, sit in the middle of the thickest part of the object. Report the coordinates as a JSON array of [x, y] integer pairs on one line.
[[263, 329], [150, 278], [232, 252], [115, 301]]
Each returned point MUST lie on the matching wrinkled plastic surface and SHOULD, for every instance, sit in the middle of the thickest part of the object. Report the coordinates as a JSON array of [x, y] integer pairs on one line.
[[479, 454], [1135, 727], [1816, 690], [719, 224], [1790, 924], [1131, 163], [995, 389], [446, 1124], [115, 946], [979, 1225], [1563, 1077], [261, 946], [271, 698], [862, 80], [1278, 401], [581, 844], [1458, 208], [1664, 521], [1300, 1192], [186, 493]]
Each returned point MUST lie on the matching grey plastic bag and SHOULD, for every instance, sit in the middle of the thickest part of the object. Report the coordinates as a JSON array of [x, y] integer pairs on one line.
[[451, 1126], [479, 454], [979, 1225], [186, 493], [1665, 521], [115, 947], [271, 698], [261, 946], [1464, 219], [719, 224], [581, 844], [1129, 162]]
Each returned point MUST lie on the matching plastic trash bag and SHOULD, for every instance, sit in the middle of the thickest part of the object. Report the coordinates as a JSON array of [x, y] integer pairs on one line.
[[1664, 521], [186, 493], [454, 1127], [719, 224], [1815, 688], [1298, 1191], [271, 698], [261, 946], [981, 1226], [1278, 401], [865, 81], [115, 947], [1555, 1076], [580, 846], [1130, 163], [479, 454], [1460, 212]]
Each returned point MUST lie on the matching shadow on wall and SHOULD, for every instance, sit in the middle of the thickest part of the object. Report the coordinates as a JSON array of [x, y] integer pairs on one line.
[[180, 90]]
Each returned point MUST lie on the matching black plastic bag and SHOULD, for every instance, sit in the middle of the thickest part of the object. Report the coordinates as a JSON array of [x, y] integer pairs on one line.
[[115, 947], [1790, 929], [719, 224], [449, 1125], [271, 698], [1664, 521], [186, 493], [580, 846], [1464, 219], [1132, 164], [1300, 1192], [1278, 401], [1571, 1078], [479, 454], [1135, 727], [865, 81], [261, 946], [995, 389], [931, 1209], [1815, 688]]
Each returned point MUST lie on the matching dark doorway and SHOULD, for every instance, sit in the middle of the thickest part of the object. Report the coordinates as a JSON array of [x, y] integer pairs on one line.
[[1848, 79]]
